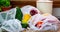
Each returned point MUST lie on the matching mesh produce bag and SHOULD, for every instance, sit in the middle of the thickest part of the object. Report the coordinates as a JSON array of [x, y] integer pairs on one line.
[[27, 9], [44, 23], [6, 15], [13, 25]]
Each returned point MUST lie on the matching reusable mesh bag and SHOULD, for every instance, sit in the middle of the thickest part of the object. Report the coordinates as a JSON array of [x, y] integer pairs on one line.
[[13, 25], [28, 8], [44, 23], [7, 15]]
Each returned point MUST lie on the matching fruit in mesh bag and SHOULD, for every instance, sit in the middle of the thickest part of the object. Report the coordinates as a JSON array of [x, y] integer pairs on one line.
[[33, 12], [51, 18], [44, 22], [30, 10], [38, 24]]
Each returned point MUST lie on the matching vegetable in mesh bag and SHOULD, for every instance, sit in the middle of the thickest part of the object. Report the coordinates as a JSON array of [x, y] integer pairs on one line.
[[19, 14], [44, 22], [12, 25], [30, 10]]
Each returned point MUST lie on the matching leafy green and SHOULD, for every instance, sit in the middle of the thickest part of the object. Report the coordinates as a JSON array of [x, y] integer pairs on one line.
[[19, 14], [5, 3]]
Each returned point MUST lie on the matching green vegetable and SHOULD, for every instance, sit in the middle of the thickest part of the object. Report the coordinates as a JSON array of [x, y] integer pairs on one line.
[[24, 25], [5, 3], [19, 14]]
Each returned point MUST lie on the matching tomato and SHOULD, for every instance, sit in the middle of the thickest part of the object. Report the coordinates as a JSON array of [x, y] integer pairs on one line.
[[39, 24]]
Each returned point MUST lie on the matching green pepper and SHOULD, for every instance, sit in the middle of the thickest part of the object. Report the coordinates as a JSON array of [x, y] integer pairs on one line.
[[19, 14]]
